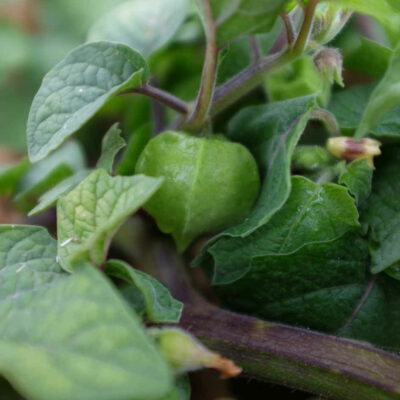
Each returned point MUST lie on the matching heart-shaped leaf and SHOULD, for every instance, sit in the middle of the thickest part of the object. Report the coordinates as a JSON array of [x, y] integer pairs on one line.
[[76, 88], [89, 215], [67, 336]]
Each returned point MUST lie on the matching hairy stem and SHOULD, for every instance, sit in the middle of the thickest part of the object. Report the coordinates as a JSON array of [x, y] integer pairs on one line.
[[328, 119], [203, 103], [306, 28], [333, 367], [290, 32], [250, 78], [161, 96], [255, 51]]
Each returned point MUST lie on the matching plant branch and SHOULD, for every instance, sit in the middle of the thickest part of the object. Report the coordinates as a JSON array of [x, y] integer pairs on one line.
[[255, 51], [203, 103], [251, 77], [290, 32], [328, 119], [306, 28], [161, 96], [330, 366]]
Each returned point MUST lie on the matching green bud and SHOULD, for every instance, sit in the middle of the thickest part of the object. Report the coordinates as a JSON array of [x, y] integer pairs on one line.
[[330, 19], [310, 158], [209, 184], [329, 64], [184, 353]]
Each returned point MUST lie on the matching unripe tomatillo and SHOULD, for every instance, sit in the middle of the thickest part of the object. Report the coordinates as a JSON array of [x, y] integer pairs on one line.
[[209, 184]]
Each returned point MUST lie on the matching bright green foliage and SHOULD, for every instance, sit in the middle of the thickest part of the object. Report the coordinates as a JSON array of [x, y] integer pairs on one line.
[[69, 336], [312, 214], [112, 143], [10, 175], [369, 58], [160, 306], [382, 214], [348, 106], [271, 132], [76, 88], [88, 217], [45, 174], [358, 178], [240, 17], [382, 10], [141, 24], [297, 79], [384, 97], [209, 184], [136, 144], [49, 198]]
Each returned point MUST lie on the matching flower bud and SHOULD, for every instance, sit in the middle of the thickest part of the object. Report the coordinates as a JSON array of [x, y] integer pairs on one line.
[[347, 149], [310, 158], [184, 353], [329, 64], [329, 21]]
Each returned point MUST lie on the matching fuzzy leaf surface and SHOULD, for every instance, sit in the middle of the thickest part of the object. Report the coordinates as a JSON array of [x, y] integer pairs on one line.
[[112, 143], [76, 88], [89, 215], [141, 24], [384, 98], [69, 336], [161, 307], [357, 177], [313, 214], [383, 212]]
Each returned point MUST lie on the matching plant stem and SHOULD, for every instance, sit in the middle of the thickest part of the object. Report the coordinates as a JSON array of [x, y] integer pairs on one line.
[[251, 77], [203, 103], [306, 28], [330, 366], [325, 365], [328, 119], [255, 51], [290, 32], [162, 97]]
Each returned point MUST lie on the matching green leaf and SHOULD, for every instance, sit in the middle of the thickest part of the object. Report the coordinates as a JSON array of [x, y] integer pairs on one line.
[[348, 107], [300, 78], [244, 17], [382, 10], [161, 307], [383, 212], [368, 58], [298, 288], [112, 143], [357, 177], [312, 214], [182, 390], [10, 175], [141, 24], [76, 88], [271, 133], [69, 336], [49, 198], [384, 97], [136, 144], [47, 173], [89, 215], [324, 287]]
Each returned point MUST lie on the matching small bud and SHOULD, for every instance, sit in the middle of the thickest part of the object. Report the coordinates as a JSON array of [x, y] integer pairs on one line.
[[330, 19], [184, 353], [310, 158], [347, 149], [329, 64]]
